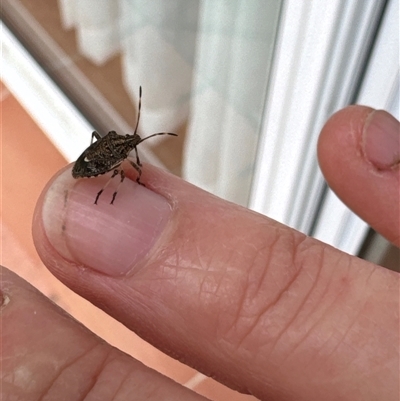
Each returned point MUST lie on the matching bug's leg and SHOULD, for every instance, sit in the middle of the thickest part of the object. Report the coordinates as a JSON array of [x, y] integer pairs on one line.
[[116, 171], [139, 170], [140, 106], [122, 173], [137, 158], [96, 135]]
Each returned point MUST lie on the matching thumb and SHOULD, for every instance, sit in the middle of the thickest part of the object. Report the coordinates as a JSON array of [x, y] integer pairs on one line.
[[359, 154]]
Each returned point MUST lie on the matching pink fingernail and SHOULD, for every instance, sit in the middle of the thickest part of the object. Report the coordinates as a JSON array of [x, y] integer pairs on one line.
[[381, 139], [110, 239]]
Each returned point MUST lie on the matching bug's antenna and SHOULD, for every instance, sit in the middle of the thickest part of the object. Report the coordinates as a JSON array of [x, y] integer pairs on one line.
[[160, 133], [140, 106]]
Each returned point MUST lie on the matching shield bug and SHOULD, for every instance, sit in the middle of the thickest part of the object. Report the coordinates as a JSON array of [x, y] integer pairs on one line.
[[108, 153]]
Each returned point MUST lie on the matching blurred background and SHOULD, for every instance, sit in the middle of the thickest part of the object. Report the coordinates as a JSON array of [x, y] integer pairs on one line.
[[247, 85]]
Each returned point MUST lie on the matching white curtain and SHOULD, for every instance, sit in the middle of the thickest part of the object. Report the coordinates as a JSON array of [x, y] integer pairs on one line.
[[233, 55]]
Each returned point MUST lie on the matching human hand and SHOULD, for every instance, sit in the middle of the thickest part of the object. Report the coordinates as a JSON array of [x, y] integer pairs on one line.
[[242, 298]]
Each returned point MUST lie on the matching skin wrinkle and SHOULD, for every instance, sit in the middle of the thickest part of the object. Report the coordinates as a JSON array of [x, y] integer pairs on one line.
[[241, 300], [344, 336], [230, 273], [204, 265], [130, 295], [169, 259], [310, 330], [345, 370], [302, 306], [134, 380], [220, 282], [329, 307], [149, 331], [199, 258], [385, 367], [128, 374], [207, 268], [395, 345], [132, 298], [230, 260], [209, 262], [173, 256], [64, 368], [266, 270], [374, 270], [300, 271], [264, 312], [365, 317], [323, 346], [361, 314], [236, 319], [63, 315], [318, 302], [315, 278], [206, 293]]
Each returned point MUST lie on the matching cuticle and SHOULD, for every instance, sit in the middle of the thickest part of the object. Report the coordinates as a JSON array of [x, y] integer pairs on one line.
[[367, 121]]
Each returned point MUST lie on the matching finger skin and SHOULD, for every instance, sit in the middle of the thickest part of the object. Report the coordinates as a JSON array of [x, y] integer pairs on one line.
[[250, 302], [371, 192], [47, 355]]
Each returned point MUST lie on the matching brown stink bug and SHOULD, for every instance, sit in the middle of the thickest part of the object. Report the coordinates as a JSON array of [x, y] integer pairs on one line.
[[108, 153]]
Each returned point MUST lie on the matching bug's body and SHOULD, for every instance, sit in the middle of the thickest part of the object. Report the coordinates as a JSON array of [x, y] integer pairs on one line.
[[105, 154], [108, 153]]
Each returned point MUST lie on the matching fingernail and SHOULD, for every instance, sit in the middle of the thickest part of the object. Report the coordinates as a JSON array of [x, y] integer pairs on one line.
[[110, 239], [381, 140]]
